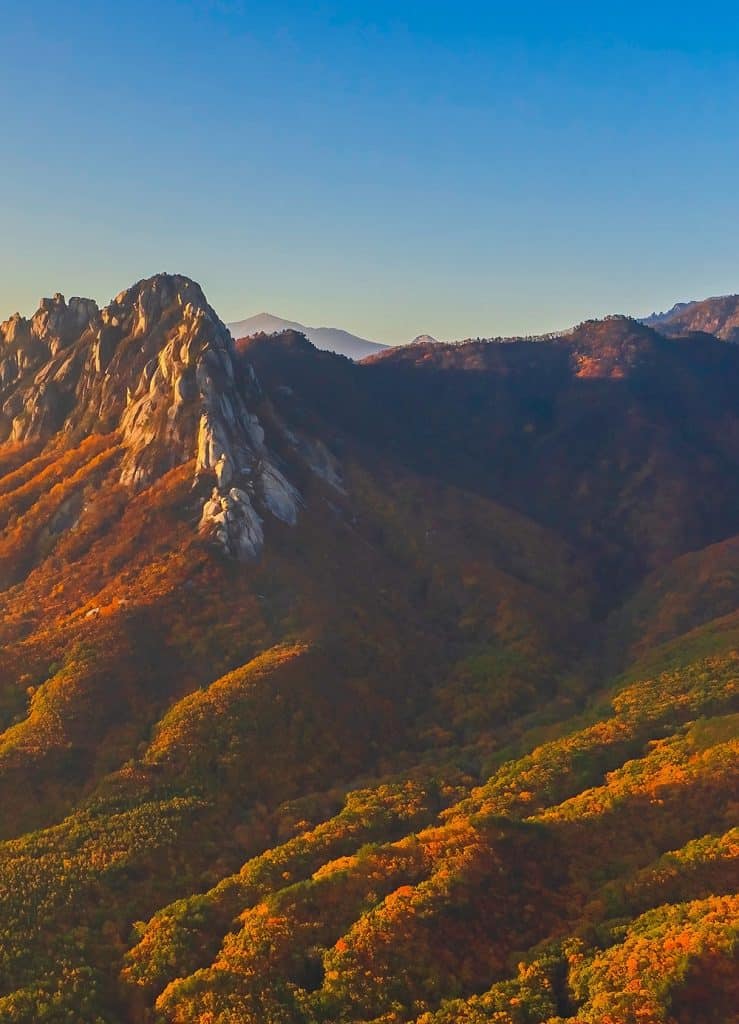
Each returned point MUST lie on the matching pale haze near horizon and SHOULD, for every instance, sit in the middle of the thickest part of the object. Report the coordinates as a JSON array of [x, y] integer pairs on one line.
[[458, 173]]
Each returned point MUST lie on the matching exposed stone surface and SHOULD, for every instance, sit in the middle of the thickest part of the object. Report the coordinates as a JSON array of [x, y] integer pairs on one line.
[[234, 522], [718, 315], [159, 366]]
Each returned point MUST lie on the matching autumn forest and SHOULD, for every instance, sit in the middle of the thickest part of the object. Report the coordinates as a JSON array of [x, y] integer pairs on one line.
[[394, 692]]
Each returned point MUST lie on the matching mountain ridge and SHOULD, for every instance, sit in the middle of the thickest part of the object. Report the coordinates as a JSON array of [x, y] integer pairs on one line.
[[718, 315], [456, 741], [331, 339]]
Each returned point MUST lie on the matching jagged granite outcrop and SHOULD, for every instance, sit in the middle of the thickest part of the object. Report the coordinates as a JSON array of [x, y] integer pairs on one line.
[[718, 316], [158, 366]]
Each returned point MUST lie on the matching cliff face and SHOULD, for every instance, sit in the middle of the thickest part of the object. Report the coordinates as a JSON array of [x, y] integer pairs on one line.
[[718, 316], [157, 366]]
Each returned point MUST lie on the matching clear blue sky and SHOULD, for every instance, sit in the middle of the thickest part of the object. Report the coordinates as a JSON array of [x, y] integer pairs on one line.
[[453, 168]]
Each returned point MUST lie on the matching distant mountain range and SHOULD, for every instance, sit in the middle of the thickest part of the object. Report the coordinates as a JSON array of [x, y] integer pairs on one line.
[[718, 315], [330, 339], [656, 319]]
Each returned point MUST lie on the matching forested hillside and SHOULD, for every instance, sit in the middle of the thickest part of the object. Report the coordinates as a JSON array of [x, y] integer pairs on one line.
[[402, 691]]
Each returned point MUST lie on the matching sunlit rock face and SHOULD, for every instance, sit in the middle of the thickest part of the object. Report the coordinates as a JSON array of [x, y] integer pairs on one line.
[[159, 367]]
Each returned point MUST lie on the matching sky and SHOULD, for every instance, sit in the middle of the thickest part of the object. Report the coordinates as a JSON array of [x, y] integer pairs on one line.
[[459, 169]]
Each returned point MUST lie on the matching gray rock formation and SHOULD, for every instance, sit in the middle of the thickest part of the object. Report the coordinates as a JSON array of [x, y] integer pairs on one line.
[[158, 367], [718, 316]]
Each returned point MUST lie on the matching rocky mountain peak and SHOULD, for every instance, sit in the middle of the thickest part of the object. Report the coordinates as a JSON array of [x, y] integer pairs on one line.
[[54, 325], [157, 366], [59, 323], [718, 316]]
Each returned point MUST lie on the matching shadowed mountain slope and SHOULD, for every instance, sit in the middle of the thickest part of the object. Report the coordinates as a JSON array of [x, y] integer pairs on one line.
[[402, 691], [590, 435]]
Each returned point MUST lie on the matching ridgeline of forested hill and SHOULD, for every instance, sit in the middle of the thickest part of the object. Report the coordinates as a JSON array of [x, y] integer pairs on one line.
[[402, 691]]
